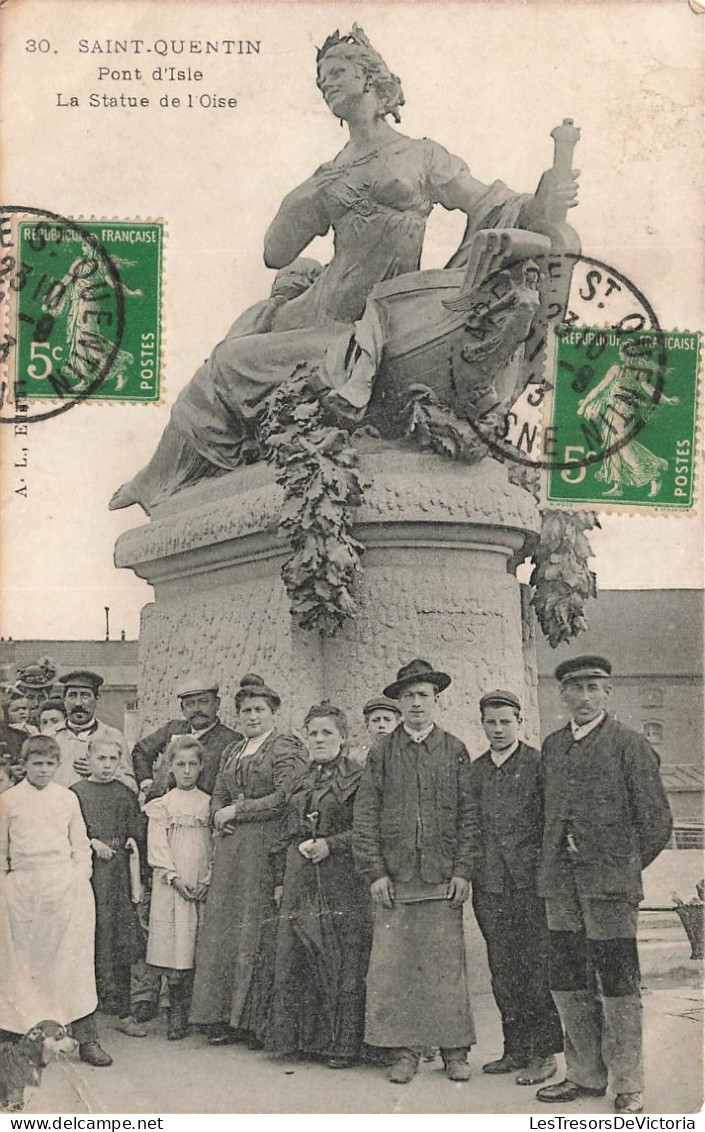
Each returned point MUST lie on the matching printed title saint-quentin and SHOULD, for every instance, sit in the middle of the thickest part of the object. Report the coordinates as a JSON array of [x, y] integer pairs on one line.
[[169, 46]]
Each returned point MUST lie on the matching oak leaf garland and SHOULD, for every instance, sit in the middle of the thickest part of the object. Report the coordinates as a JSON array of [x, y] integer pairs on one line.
[[317, 466], [561, 580]]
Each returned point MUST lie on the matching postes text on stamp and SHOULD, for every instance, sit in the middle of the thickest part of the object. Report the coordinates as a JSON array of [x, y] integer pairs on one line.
[[66, 328], [623, 418]]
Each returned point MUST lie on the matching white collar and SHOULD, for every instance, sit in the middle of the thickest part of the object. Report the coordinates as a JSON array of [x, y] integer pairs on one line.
[[253, 745], [78, 731], [199, 734], [500, 757], [418, 736], [581, 730]]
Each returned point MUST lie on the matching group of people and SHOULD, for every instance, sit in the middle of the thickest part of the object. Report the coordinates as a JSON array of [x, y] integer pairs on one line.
[[306, 897]]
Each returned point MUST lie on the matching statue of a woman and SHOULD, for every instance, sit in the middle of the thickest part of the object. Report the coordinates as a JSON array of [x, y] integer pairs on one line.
[[376, 195], [621, 402]]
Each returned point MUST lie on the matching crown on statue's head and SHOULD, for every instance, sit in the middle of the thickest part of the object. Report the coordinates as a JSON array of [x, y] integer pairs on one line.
[[355, 36]]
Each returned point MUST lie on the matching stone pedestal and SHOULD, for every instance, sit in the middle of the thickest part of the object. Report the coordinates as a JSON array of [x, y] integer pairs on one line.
[[435, 585]]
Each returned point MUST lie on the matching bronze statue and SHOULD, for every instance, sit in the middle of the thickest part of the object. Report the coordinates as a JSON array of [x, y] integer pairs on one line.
[[376, 195]]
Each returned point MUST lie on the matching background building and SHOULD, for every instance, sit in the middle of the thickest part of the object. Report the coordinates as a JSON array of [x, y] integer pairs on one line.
[[654, 639]]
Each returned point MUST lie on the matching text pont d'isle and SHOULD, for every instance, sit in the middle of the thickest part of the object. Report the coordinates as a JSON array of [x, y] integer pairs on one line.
[[165, 84]]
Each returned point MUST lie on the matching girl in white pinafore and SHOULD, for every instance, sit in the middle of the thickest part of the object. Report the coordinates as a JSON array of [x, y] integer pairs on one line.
[[179, 849]]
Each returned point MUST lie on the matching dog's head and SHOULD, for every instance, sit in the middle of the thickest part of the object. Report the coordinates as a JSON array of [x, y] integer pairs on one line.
[[46, 1040]]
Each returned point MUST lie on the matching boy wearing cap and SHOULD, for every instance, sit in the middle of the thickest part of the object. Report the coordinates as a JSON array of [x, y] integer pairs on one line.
[[507, 808], [381, 716], [199, 702], [412, 839], [606, 819], [81, 692]]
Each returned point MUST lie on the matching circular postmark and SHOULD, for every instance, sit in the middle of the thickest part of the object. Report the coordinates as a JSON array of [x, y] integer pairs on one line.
[[64, 313], [615, 375]]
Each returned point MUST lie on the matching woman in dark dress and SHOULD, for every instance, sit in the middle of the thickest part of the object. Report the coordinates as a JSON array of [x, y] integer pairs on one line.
[[325, 924], [235, 951]]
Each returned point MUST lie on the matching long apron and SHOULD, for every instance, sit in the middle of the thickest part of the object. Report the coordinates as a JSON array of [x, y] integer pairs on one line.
[[417, 990], [47, 929]]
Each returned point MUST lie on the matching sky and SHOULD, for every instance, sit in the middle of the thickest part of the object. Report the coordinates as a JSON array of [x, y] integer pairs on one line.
[[487, 81]]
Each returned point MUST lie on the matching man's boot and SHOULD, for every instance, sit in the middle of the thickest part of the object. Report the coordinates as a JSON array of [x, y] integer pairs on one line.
[[507, 1063], [456, 1064], [404, 1066]]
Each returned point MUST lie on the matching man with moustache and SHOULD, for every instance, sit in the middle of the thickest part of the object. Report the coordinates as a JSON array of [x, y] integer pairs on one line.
[[81, 693], [606, 818], [199, 702]]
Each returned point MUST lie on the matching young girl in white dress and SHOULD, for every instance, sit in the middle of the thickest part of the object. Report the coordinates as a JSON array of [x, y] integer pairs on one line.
[[179, 849]]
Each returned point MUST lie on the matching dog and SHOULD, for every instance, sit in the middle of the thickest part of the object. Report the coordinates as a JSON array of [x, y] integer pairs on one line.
[[22, 1061]]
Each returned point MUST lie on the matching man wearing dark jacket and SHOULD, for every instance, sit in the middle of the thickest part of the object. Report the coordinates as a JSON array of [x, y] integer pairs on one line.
[[412, 841], [606, 819], [507, 808], [199, 703]]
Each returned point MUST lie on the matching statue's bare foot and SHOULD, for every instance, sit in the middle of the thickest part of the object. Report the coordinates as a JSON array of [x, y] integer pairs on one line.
[[123, 497], [615, 490], [655, 488]]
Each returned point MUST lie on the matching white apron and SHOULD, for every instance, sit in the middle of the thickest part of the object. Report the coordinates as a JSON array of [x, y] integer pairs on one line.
[[47, 910]]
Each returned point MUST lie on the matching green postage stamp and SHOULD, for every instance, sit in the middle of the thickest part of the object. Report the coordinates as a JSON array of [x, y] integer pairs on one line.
[[623, 419], [88, 323]]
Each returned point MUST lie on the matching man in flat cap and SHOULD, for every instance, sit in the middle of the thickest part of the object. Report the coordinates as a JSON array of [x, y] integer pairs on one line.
[[412, 839], [606, 819], [507, 808], [81, 692], [199, 702]]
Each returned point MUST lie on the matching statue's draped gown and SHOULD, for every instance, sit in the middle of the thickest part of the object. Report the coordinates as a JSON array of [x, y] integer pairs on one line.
[[377, 206]]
